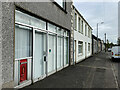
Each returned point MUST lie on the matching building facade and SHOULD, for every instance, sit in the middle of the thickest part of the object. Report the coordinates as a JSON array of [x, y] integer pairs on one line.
[[94, 44], [36, 41], [82, 37], [101, 45]]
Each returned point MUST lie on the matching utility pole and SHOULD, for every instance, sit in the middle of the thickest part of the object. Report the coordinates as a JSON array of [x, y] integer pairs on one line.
[[105, 42], [97, 34]]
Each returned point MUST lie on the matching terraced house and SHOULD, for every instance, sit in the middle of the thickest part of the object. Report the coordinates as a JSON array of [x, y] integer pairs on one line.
[[36, 41], [40, 38], [82, 37]]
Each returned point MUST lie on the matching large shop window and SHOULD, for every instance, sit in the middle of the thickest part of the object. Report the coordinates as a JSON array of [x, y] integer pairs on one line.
[[59, 49], [80, 47], [66, 50], [27, 19], [44, 51], [52, 28], [23, 41]]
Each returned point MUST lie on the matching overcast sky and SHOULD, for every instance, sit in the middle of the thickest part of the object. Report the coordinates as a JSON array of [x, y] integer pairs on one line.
[[98, 11]]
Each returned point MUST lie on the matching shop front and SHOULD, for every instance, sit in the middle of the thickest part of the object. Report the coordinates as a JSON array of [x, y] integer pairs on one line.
[[41, 49]]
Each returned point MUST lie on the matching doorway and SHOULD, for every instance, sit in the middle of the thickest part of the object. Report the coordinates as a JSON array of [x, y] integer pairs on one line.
[[39, 54]]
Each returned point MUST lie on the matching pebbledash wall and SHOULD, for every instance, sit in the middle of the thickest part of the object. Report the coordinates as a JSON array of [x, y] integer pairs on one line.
[[0, 45], [48, 11]]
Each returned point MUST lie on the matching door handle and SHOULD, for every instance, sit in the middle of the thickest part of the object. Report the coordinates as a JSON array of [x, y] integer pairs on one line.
[[45, 58]]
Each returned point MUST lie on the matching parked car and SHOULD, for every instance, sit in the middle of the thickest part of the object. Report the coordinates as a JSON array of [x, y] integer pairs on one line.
[[115, 52], [109, 50]]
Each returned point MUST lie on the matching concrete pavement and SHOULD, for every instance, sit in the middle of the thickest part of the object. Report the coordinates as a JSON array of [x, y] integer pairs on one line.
[[97, 71]]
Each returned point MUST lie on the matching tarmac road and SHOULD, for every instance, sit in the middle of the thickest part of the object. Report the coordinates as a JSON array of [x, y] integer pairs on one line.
[[97, 71]]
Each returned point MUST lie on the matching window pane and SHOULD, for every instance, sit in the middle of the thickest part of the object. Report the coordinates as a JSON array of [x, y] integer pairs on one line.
[[80, 47], [82, 27], [66, 33], [23, 42], [59, 52], [60, 2], [58, 31], [62, 32], [27, 19], [85, 30], [21, 17], [88, 46], [52, 27], [79, 24], [66, 51], [75, 21], [38, 23]]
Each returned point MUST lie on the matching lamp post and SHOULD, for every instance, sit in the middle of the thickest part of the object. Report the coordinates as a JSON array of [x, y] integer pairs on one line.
[[105, 42], [97, 33]]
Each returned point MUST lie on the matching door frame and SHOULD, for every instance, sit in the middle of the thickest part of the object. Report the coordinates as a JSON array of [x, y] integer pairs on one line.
[[33, 50], [85, 49], [43, 76], [75, 51]]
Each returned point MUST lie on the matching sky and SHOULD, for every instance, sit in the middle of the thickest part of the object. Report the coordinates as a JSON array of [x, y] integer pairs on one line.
[[96, 11]]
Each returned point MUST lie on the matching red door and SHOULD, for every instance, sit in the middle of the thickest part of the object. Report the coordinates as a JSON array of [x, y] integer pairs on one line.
[[23, 70]]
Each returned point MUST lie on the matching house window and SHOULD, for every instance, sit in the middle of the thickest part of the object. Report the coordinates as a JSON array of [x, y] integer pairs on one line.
[[80, 47], [79, 24], [82, 27], [62, 3], [88, 47], [23, 41], [89, 32], [85, 30], [75, 21]]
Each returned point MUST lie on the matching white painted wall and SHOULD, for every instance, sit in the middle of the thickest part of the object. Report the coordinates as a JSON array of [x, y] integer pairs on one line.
[[81, 37]]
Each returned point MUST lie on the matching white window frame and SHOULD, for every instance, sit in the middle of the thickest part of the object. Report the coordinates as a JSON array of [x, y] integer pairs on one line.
[[80, 43], [89, 32], [79, 24], [82, 22], [88, 47], [85, 29], [75, 23]]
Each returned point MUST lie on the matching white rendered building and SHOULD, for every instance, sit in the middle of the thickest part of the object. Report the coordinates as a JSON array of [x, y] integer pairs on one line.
[[82, 37]]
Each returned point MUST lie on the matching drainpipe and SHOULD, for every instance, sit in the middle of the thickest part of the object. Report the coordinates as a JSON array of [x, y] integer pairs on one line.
[[73, 34]]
